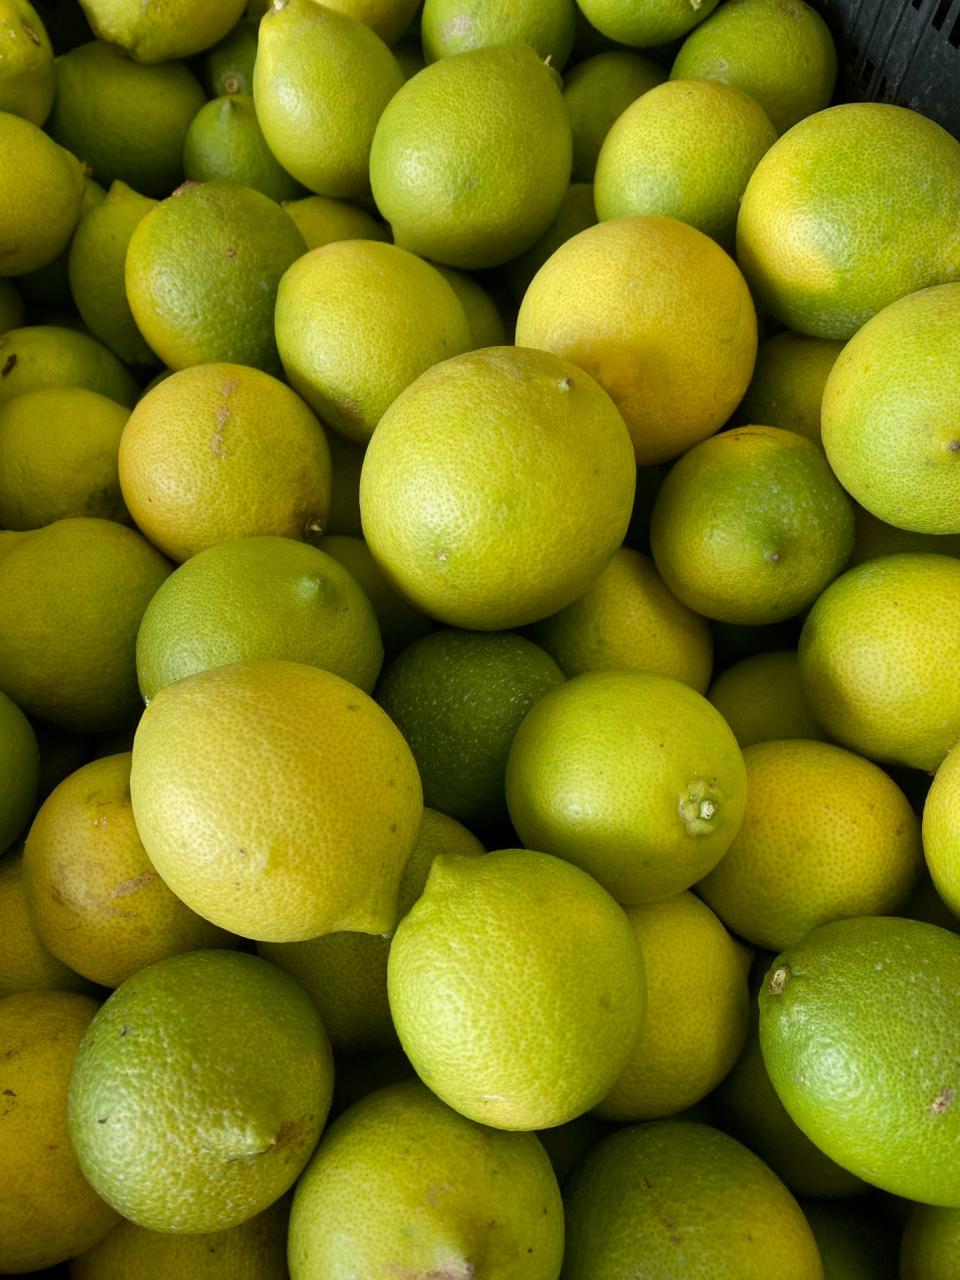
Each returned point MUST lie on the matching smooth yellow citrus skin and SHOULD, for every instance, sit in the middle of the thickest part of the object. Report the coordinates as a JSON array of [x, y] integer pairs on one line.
[[223, 451], [762, 700], [629, 619], [516, 987], [787, 385], [357, 322], [276, 800], [860, 1034], [71, 598], [825, 834], [870, 673], [751, 525], [25, 963], [93, 895], [199, 1091], [941, 830], [42, 191], [256, 1250], [28, 78], [496, 487], [780, 52], [165, 29], [630, 775], [847, 212], [472, 156], [689, 1201], [697, 1008], [596, 91], [890, 426], [659, 315], [685, 149], [48, 1211], [403, 1184]]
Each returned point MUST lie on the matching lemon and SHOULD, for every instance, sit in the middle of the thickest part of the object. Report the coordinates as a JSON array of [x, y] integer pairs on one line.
[[98, 254], [596, 92], [46, 291], [25, 963], [226, 144], [889, 421], [21, 764], [472, 156], [199, 1091], [11, 306], [237, 436], [762, 699], [400, 623], [859, 1032], [322, 220], [159, 32], [258, 598], [697, 1006], [346, 462], [27, 75], [401, 1183], [48, 1212], [630, 775], [750, 526], [306, 815], [448, 27], [356, 322], [256, 1250], [202, 272], [47, 355], [649, 23], [826, 834], [41, 199], [788, 381], [659, 315], [228, 65], [872, 539], [856, 1242], [685, 149], [71, 599], [928, 1249], [683, 1194], [388, 18], [940, 830], [847, 212], [345, 974], [530, 477], [93, 895], [458, 698], [629, 619], [484, 320], [58, 457], [780, 52], [320, 82], [575, 214], [870, 674], [516, 987]]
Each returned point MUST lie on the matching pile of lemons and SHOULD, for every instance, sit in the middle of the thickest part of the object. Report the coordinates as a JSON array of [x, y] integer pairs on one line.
[[479, 646]]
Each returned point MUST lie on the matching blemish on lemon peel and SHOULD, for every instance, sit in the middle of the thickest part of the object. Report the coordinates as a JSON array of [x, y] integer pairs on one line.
[[698, 809], [778, 980], [943, 1101], [566, 384]]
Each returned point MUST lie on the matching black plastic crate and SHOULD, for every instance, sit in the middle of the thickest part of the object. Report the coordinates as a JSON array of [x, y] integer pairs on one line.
[[901, 51]]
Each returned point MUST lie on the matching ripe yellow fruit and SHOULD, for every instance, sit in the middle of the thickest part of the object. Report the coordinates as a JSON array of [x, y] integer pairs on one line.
[[448, 27], [629, 619], [46, 355], [516, 986], [226, 144], [400, 623], [483, 317], [780, 52], [575, 214], [848, 211], [48, 1212], [199, 1091], [872, 539], [303, 816], [25, 963], [41, 200], [94, 897], [238, 437], [322, 220], [472, 156], [596, 92], [27, 75], [388, 18], [941, 830], [644, 25], [356, 322], [630, 775], [496, 487], [685, 149], [159, 32], [751, 525], [788, 380], [826, 834], [320, 82], [928, 1248], [659, 315], [870, 674], [890, 426], [762, 700], [697, 1010]]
